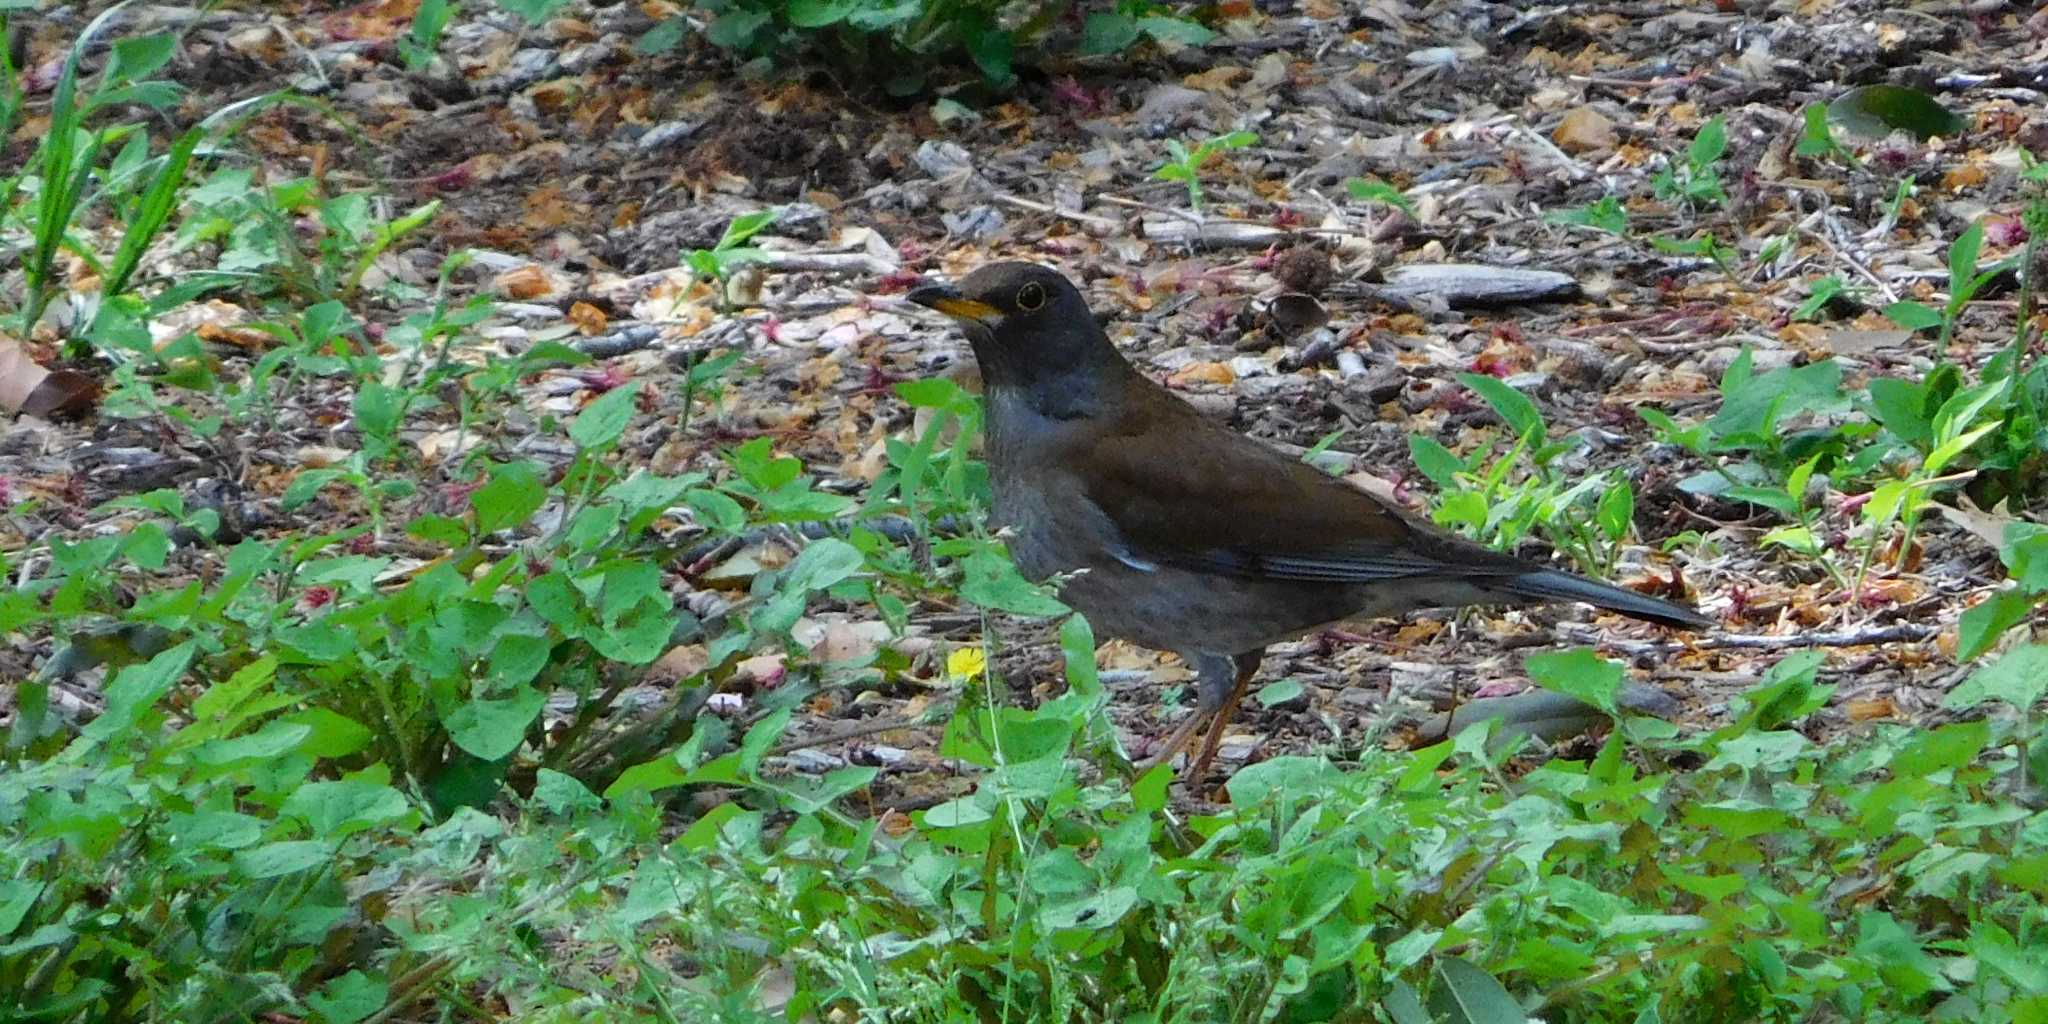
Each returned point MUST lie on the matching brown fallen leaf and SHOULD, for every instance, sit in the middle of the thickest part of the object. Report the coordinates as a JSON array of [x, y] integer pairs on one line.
[[588, 318], [1988, 526], [29, 388], [1584, 130]]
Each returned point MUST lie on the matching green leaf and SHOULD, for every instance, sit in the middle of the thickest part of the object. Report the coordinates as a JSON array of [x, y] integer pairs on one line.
[[716, 509], [1878, 110], [735, 29], [135, 57], [511, 497], [760, 737], [663, 37], [1962, 262], [307, 484], [746, 226], [1469, 995], [992, 581], [1512, 405], [376, 409], [1373, 190], [492, 729], [1107, 32], [346, 806], [822, 563], [1435, 461], [1901, 406], [928, 393], [1166, 29], [1818, 294], [2019, 678], [350, 998], [1077, 647], [274, 860], [1606, 215], [1148, 792], [1403, 1004], [1914, 316], [605, 419], [534, 11], [330, 734], [1579, 674], [1280, 692], [2025, 554], [817, 13], [1957, 744], [1709, 144], [1616, 510], [992, 48], [1755, 405], [1817, 139], [137, 688]]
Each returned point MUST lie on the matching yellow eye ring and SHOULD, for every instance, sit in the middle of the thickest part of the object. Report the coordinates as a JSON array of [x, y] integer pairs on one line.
[[1031, 296]]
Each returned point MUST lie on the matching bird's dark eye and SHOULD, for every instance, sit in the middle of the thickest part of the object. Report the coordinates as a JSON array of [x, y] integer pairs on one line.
[[1031, 296]]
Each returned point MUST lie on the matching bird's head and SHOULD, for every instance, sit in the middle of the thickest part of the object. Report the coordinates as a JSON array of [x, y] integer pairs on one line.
[[1027, 322]]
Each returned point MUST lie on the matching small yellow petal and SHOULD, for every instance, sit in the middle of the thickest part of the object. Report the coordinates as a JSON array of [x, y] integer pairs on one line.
[[967, 663]]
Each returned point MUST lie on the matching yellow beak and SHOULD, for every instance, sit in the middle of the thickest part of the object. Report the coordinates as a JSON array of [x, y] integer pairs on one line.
[[947, 299]]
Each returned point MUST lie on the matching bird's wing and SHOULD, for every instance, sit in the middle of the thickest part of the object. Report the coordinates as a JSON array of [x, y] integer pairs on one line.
[[1185, 492]]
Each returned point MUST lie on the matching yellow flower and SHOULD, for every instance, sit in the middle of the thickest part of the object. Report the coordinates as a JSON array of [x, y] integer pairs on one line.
[[966, 664]]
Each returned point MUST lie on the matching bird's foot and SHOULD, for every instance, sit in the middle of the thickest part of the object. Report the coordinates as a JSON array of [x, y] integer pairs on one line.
[[1175, 743]]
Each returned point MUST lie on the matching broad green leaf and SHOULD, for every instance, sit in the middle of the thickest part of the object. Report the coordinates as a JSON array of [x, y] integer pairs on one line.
[[1914, 316], [273, 860], [822, 563], [1469, 995], [137, 688], [1580, 674], [1435, 461], [604, 419], [1513, 406], [1175, 30], [492, 729], [1106, 32], [511, 497], [2019, 678], [817, 13], [1878, 110], [343, 807]]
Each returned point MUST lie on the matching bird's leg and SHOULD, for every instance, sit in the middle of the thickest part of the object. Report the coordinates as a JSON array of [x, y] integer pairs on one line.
[[1174, 742], [1212, 691], [1240, 675]]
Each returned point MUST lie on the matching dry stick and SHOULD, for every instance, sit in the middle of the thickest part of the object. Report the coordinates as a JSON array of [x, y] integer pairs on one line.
[[1862, 271], [1903, 632], [857, 730], [1578, 170], [1034, 206], [827, 262]]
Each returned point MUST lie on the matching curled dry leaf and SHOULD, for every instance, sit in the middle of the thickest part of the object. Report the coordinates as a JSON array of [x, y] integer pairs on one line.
[[1584, 130], [525, 283], [588, 319], [28, 387], [1202, 373], [1294, 312]]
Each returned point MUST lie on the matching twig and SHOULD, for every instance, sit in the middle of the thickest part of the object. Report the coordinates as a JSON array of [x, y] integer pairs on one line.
[[1903, 632], [857, 730], [827, 262], [1890, 294], [1090, 219], [1577, 169]]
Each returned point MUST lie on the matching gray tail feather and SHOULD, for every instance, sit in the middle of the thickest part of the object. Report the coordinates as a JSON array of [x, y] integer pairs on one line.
[[1552, 585]]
